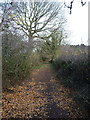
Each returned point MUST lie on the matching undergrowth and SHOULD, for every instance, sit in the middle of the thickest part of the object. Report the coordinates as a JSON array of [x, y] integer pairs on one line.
[[72, 70]]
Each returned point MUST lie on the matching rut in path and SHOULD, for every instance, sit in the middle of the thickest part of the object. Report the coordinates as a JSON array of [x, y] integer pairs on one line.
[[41, 96]]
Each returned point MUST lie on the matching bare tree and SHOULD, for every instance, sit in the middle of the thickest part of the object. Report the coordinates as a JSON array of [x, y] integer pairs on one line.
[[5, 11], [36, 19]]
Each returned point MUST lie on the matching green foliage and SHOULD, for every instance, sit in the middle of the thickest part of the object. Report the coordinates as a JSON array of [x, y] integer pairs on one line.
[[72, 70], [35, 59], [15, 64], [78, 71], [49, 49], [73, 62]]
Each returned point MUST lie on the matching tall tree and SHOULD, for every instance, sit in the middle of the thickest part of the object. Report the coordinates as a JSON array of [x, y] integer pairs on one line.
[[48, 50], [36, 19]]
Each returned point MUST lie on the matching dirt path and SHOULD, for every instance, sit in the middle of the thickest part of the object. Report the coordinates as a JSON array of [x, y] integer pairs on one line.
[[44, 97]]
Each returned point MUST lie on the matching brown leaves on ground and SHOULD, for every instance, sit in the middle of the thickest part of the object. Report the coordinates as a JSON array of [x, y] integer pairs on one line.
[[24, 103], [32, 99], [66, 102]]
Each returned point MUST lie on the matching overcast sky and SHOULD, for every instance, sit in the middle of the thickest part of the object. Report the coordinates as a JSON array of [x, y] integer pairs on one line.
[[77, 22]]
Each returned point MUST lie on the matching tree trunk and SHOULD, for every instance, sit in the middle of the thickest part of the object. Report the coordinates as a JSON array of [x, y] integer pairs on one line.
[[30, 44]]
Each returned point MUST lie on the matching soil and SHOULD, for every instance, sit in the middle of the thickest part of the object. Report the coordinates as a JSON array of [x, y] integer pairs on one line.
[[41, 96]]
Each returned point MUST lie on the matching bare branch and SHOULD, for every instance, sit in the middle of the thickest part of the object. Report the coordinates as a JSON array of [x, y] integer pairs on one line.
[[36, 18], [83, 3]]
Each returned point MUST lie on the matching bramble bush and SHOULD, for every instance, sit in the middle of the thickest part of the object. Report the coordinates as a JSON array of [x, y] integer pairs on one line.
[[72, 69]]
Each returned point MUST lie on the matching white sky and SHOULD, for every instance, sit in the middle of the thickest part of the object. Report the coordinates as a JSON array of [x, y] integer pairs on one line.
[[77, 22]]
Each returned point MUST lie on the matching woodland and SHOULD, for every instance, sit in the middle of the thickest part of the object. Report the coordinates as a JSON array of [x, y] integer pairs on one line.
[[42, 77]]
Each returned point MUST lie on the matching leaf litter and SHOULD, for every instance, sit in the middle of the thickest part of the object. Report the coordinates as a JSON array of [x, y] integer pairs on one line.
[[32, 99]]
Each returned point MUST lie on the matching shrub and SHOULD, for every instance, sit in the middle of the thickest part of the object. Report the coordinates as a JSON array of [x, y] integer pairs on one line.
[[73, 70], [15, 60]]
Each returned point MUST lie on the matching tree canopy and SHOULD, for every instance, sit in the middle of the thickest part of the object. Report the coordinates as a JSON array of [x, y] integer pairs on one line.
[[37, 19]]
